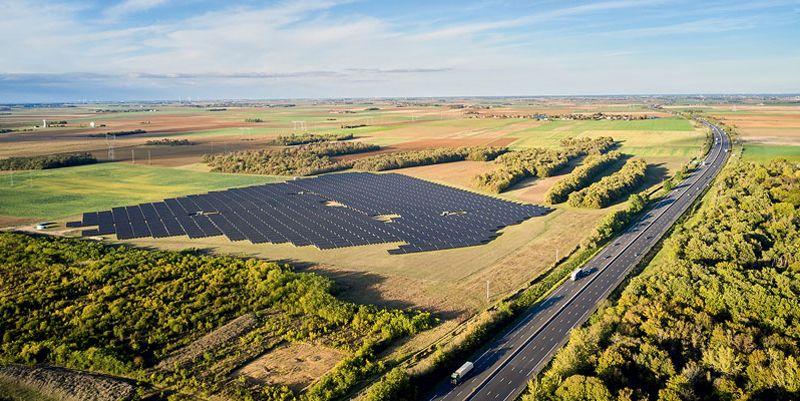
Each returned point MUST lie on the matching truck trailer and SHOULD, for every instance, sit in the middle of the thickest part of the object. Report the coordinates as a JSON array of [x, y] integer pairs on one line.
[[461, 372]]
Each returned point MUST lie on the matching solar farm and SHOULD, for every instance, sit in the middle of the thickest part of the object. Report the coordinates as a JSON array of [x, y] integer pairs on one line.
[[327, 212]]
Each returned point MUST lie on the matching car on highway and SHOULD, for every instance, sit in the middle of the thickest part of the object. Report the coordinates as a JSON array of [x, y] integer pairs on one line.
[[578, 273]]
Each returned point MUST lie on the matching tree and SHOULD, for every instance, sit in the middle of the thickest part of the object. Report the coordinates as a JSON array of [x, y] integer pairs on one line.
[[583, 388]]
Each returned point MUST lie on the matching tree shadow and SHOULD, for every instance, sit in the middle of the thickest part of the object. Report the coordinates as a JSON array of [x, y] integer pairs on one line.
[[363, 287]]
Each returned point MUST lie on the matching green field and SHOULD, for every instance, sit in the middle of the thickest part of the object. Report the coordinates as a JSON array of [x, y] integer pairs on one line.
[[762, 153], [57, 193], [665, 137]]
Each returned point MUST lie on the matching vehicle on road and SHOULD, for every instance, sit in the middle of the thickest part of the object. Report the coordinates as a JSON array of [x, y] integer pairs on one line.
[[461, 372], [577, 273]]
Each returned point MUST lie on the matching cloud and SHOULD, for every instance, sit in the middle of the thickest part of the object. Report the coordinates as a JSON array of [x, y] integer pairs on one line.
[[707, 25], [131, 6], [334, 48], [474, 28]]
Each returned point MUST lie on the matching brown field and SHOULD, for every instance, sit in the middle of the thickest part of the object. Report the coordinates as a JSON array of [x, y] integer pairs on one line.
[[770, 125], [458, 174], [295, 365], [453, 143]]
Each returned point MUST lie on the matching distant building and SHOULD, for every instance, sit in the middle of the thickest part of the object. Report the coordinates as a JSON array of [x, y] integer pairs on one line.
[[44, 123], [91, 124]]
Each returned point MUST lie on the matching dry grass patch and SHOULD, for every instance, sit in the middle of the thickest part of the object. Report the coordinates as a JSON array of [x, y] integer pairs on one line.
[[294, 365], [459, 174]]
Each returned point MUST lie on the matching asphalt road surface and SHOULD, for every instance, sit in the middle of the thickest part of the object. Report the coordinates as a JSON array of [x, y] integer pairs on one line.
[[503, 368]]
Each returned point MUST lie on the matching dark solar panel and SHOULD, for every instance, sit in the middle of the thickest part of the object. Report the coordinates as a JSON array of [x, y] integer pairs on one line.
[[90, 219], [157, 228], [330, 211]]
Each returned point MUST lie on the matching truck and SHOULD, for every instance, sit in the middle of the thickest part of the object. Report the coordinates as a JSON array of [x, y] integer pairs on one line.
[[576, 274], [461, 372]]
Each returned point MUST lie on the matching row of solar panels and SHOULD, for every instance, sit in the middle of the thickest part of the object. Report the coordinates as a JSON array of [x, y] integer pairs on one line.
[[432, 216]]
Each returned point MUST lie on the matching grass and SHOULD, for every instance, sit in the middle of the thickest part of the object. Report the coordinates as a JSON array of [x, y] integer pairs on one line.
[[58, 193], [551, 132], [16, 392], [762, 153]]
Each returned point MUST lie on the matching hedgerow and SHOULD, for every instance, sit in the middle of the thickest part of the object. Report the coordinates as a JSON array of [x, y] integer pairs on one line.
[[538, 162], [301, 160], [604, 192], [302, 139], [581, 177], [390, 161], [46, 162]]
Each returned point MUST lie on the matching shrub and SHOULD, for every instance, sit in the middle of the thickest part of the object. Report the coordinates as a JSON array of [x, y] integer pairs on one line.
[[390, 161], [302, 139], [538, 162], [610, 188], [581, 176], [46, 162], [301, 160]]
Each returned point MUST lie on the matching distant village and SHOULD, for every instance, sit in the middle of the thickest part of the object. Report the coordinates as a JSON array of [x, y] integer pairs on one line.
[[570, 116]]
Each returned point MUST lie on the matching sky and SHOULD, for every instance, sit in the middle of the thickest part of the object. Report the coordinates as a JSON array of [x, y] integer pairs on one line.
[[53, 51]]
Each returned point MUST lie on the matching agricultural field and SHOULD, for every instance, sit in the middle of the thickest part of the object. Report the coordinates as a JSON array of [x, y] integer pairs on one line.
[[148, 173], [59, 193], [766, 131], [452, 284]]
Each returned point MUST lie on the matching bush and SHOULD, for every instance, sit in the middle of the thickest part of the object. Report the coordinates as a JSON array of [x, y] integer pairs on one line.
[[391, 161], [302, 160], [169, 142], [581, 176], [610, 188], [615, 221], [119, 133], [302, 139], [538, 162], [46, 162], [514, 166]]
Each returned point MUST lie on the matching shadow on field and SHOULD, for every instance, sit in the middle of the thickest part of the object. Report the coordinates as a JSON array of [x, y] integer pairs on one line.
[[655, 174], [363, 288]]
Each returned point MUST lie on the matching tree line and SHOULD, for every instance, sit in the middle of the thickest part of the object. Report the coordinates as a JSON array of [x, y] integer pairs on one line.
[[307, 159], [581, 177], [538, 162], [302, 139], [46, 162], [610, 188], [411, 158], [715, 316], [119, 310]]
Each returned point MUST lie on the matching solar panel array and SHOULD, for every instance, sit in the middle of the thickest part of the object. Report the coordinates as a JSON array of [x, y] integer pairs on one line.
[[329, 211]]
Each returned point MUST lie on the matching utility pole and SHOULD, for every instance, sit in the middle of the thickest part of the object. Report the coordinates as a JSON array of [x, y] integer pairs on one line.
[[149, 161], [133, 157], [487, 291]]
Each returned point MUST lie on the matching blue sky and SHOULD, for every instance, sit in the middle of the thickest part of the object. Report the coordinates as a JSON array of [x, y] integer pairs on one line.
[[179, 49]]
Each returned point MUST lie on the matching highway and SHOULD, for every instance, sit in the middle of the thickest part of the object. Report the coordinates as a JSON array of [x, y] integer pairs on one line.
[[504, 367]]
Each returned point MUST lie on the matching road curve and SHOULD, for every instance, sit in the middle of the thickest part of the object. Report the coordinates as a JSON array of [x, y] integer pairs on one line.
[[503, 368]]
